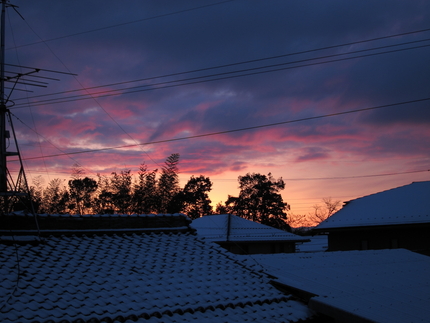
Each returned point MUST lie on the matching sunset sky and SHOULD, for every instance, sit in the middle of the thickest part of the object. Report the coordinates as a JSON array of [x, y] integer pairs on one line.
[[265, 82]]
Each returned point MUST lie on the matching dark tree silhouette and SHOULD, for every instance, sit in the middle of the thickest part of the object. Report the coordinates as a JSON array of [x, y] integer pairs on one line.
[[122, 191], [259, 200], [221, 208], [56, 197], [81, 191], [37, 194], [103, 203], [145, 199], [323, 212], [194, 197], [168, 184]]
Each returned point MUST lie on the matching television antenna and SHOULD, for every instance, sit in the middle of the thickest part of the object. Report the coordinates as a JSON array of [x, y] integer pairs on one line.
[[14, 187]]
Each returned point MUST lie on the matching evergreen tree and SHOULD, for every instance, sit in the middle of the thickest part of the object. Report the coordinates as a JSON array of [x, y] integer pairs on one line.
[[81, 193], [259, 200], [145, 199], [36, 193], [168, 184], [221, 208], [138, 190], [103, 203], [55, 197], [121, 187], [151, 202], [194, 196]]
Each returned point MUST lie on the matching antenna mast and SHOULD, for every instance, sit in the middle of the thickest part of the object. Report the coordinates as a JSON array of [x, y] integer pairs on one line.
[[14, 188], [10, 190], [3, 166]]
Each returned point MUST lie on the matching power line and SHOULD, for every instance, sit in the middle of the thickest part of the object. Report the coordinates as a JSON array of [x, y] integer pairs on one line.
[[91, 95], [237, 130], [336, 177], [216, 77], [124, 23], [240, 63], [48, 141], [357, 176]]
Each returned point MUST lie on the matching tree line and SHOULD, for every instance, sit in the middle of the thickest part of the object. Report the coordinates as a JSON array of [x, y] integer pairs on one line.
[[151, 191], [154, 191]]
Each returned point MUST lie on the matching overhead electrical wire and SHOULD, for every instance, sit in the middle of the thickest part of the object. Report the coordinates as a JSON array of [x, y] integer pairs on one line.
[[240, 63], [124, 23], [26, 90], [236, 130], [357, 176], [334, 178], [194, 80], [92, 96], [218, 76], [200, 79], [48, 141]]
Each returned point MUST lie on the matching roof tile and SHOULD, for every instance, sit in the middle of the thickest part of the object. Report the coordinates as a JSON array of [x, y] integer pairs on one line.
[[166, 277]]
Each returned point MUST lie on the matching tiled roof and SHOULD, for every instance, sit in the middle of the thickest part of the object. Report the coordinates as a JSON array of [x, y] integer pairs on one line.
[[373, 285], [216, 228], [154, 277], [409, 204], [65, 223]]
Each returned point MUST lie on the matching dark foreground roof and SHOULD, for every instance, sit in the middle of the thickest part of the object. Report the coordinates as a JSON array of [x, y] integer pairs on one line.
[[135, 277], [63, 224]]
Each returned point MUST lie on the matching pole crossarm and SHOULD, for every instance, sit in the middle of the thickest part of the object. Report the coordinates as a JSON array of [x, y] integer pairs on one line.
[[12, 190]]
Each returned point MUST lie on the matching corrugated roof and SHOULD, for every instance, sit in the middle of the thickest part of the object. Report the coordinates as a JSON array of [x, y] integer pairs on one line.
[[174, 277], [376, 285], [407, 204], [216, 227]]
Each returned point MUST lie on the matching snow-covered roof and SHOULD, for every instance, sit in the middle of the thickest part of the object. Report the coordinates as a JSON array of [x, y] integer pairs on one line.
[[376, 285], [23, 223], [228, 227], [142, 277], [317, 243], [407, 204]]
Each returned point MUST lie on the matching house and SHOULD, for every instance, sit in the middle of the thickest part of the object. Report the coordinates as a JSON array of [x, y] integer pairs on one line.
[[396, 218], [128, 268], [385, 286], [241, 236]]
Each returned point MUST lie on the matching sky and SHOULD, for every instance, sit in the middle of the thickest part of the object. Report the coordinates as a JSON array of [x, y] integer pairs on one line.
[[332, 96]]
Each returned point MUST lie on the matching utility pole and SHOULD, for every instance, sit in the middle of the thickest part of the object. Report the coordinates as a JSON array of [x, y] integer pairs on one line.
[[14, 188], [10, 190], [3, 161]]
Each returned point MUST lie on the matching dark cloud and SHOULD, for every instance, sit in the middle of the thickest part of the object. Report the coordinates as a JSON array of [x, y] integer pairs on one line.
[[152, 44], [313, 153]]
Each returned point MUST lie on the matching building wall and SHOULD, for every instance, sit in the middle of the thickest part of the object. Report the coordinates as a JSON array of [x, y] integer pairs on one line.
[[416, 238]]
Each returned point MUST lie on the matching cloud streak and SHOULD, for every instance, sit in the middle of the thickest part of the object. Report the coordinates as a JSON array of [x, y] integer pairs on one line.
[[108, 43]]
